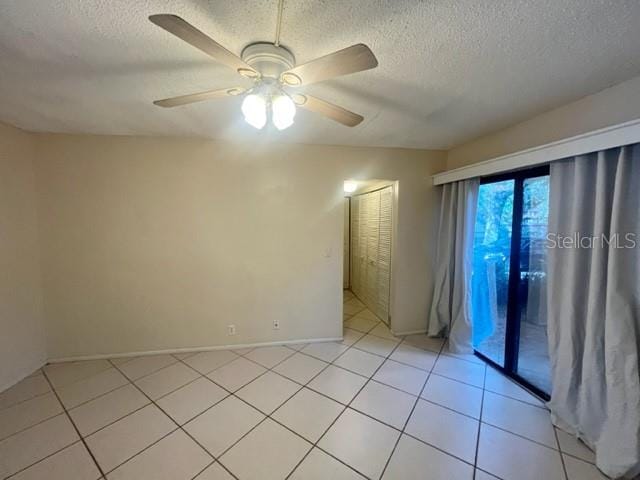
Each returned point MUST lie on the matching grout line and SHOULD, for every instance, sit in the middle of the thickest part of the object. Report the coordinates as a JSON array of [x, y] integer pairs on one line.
[[43, 458], [22, 401], [415, 404], [475, 461], [179, 427], [66, 412], [302, 386], [564, 467]]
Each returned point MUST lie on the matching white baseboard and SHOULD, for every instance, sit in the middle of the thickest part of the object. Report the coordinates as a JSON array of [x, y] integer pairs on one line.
[[410, 332], [102, 356]]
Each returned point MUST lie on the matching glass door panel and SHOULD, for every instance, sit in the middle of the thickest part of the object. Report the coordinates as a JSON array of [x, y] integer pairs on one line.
[[491, 259], [508, 285], [533, 355]]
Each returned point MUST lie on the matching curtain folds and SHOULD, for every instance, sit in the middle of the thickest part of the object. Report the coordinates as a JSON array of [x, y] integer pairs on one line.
[[594, 303], [451, 308]]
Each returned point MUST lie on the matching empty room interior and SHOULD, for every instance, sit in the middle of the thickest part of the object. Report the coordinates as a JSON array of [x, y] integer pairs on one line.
[[313, 240]]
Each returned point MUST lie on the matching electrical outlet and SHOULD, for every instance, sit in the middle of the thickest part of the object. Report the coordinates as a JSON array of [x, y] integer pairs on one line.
[[231, 329], [276, 324]]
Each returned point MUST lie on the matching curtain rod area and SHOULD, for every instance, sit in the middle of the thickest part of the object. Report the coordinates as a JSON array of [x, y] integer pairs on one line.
[[602, 139]]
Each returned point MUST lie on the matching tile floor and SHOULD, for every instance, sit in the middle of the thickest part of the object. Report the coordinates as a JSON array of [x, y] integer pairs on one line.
[[374, 406]]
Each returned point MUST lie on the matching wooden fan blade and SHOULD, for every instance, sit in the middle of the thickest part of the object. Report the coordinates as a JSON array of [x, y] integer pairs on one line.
[[334, 112], [198, 97], [190, 34], [343, 62]]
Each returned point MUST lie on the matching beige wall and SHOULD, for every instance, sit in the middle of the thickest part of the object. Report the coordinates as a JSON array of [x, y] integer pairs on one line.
[[22, 345], [614, 105], [156, 243]]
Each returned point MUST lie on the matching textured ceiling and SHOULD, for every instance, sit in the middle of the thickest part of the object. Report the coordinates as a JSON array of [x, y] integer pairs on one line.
[[449, 71]]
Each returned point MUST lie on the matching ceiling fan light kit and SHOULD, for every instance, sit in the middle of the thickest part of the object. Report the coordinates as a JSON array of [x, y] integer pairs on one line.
[[272, 69]]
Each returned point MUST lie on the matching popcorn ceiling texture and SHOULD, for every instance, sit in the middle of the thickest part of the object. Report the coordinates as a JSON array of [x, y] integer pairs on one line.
[[450, 71]]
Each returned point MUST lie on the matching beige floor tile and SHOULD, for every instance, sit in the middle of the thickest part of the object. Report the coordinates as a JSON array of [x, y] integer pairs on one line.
[[376, 345], [447, 430], [480, 475], [214, 472], [74, 462], [308, 413], [412, 459], [384, 403], [469, 357], [166, 380], [25, 389], [455, 395], [224, 424], [269, 357], [571, 445], [269, 452], [29, 446], [320, 466], [327, 351], [518, 417], [117, 361], [175, 457], [89, 388], [92, 416], [353, 306], [416, 357], [359, 361], [236, 374], [349, 336], [498, 383], [300, 368], [61, 374], [511, 457], [338, 383], [268, 392], [243, 351], [123, 439], [401, 376], [296, 346], [191, 400], [362, 323], [183, 355], [579, 470], [360, 442], [460, 370], [421, 340], [381, 330], [141, 366], [207, 362], [28, 413]]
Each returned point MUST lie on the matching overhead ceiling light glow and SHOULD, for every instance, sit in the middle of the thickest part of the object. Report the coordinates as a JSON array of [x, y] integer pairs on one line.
[[282, 111], [350, 186], [254, 109]]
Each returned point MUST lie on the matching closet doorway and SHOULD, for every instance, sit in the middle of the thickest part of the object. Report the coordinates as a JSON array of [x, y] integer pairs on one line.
[[370, 227]]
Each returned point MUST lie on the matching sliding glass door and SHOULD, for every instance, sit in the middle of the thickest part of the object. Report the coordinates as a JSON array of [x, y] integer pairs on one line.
[[509, 276]]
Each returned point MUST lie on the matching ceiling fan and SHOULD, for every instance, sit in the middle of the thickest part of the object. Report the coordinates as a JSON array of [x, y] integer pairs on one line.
[[273, 70]]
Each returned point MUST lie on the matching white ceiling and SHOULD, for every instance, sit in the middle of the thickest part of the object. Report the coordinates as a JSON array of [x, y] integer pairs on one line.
[[450, 70]]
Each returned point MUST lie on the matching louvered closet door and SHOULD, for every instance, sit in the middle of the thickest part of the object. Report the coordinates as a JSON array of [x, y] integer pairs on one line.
[[373, 234], [347, 242], [355, 243], [362, 248], [384, 254]]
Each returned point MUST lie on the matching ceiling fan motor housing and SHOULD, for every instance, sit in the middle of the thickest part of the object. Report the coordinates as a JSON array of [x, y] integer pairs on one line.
[[268, 59]]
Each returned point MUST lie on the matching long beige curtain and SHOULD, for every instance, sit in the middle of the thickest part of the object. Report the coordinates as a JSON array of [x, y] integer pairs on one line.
[[451, 308], [594, 303]]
